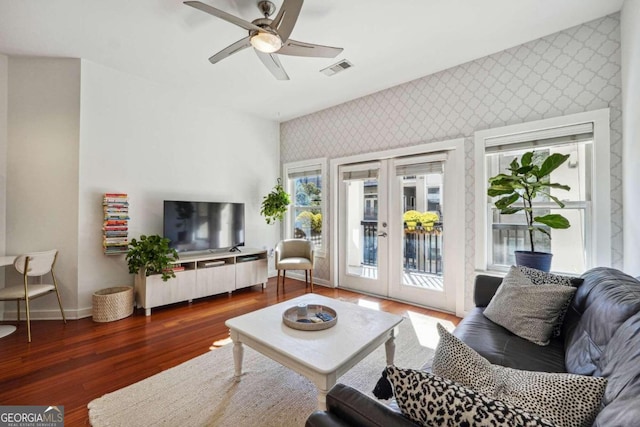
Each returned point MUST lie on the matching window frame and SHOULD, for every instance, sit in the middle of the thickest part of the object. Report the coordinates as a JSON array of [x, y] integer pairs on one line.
[[598, 230], [304, 166]]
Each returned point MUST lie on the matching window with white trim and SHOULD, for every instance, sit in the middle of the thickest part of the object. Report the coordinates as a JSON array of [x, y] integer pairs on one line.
[[585, 138], [306, 216]]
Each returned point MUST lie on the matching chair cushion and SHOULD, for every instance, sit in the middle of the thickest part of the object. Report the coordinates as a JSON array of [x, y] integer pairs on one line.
[[294, 263], [17, 292]]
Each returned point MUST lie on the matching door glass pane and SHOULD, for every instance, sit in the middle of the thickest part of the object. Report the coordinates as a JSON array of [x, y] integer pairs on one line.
[[362, 227], [422, 227]]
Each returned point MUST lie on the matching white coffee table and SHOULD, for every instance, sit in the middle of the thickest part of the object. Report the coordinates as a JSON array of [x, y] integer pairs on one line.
[[321, 356]]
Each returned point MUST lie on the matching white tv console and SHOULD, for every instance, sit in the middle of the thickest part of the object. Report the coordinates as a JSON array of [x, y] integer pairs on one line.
[[201, 275]]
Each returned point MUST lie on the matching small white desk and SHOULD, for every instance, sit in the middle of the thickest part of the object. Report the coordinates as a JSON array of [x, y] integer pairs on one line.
[[7, 329]]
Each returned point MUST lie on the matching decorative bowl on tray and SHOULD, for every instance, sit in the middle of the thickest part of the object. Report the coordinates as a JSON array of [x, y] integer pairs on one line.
[[310, 317]]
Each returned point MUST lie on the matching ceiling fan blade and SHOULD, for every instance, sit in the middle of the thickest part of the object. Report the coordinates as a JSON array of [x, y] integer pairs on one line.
[[273, 64], [286, 18], [223, 15], [230, 50], [296, 48]]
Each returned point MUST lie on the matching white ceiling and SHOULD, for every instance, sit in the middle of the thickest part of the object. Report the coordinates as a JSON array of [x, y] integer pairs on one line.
[[388, 42]]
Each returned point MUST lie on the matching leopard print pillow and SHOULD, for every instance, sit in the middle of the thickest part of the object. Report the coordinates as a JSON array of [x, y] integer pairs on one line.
[[434, 401], [567, 400]]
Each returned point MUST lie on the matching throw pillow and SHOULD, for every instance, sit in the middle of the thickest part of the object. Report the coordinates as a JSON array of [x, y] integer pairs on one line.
[[455, 360], [529, 311], [434, 401], [539, 277], [564, 399]]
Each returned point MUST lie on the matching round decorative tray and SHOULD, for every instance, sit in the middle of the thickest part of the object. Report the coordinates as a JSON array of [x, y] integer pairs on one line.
[[309, 318]]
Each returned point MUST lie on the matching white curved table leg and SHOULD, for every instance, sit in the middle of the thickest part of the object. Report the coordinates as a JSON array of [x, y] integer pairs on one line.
[[390, 347], [238, 353]]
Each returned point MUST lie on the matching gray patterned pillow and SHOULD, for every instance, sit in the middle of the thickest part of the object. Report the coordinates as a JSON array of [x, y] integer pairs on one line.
[[529, 311], [539, 277], [434, 401], [564, 399]]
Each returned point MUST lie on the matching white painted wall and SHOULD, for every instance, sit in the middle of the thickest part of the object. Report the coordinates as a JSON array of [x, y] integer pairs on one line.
[[154, 143], [77, 130], [4, 81], [630, 39], [42, 168]]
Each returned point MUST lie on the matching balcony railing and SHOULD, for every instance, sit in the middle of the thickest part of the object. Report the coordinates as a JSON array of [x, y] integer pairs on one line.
[[507, 238], [422, 248]]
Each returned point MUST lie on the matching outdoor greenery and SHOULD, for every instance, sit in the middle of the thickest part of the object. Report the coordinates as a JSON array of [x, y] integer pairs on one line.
[[275, 204], [426, 219], [153, 255], [307, 194], [308, 197], [310, 220], [529, 177]]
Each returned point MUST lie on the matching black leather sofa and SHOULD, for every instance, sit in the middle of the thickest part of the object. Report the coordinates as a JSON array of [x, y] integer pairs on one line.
[[601, 337]]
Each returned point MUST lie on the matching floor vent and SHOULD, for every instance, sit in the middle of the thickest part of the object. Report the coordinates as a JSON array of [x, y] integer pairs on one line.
[[337, 68]]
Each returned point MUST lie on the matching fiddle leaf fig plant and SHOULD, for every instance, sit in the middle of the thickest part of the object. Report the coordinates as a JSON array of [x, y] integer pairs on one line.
[[528, 179], [153, 255], [275, 204]]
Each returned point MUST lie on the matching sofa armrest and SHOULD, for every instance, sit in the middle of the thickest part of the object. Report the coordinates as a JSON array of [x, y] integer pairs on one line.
[[325, 419], [484, 289], [347, 406]]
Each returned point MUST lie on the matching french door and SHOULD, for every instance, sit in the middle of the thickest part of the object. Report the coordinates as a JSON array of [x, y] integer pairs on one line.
[[363, 227], [394, 218]]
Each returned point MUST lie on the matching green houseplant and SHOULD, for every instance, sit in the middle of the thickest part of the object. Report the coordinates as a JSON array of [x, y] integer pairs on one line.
[[152, 255], [529, 177], [275, 204]]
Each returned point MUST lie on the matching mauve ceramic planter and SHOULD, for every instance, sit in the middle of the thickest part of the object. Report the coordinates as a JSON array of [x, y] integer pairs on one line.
[[537, 260]]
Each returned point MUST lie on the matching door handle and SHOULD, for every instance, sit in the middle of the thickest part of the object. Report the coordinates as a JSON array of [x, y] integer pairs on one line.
[[382, 234]]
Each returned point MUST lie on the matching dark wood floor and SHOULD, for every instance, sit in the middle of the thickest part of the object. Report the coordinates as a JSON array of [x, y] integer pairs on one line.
[[72, 364]]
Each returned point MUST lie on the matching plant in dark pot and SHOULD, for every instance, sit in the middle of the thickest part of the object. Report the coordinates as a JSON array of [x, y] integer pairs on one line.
[[275, 204], [151, 255], [528, 178]]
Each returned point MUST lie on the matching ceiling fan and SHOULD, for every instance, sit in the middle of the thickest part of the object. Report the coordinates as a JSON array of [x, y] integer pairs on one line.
[[269, 36]]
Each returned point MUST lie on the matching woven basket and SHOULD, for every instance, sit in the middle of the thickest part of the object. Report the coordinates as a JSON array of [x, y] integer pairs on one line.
[[112, 304]]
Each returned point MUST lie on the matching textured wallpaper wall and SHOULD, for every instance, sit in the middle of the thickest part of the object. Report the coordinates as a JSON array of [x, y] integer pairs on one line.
[[572, 71]]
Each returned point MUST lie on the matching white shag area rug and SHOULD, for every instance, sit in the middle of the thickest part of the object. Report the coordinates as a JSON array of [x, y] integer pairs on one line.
[[203, 392]]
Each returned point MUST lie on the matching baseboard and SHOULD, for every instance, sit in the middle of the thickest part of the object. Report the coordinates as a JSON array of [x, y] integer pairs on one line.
[[49, 314], [299, 275]]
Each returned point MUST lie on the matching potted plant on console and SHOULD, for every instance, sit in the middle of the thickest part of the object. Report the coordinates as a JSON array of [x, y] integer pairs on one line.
[[151, 255], [530, 177]]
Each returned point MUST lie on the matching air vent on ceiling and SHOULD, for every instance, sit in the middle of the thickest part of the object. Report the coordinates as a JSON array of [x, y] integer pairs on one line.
[[337, 67]]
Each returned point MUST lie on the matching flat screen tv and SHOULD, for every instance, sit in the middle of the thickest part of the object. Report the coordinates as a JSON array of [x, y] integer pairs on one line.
[[202, 226]]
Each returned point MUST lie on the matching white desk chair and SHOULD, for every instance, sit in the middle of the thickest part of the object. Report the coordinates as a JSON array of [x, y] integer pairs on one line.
[[294, 254], [29, 265]]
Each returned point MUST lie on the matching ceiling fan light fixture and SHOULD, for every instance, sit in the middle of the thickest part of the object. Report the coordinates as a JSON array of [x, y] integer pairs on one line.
[[266, 42]]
